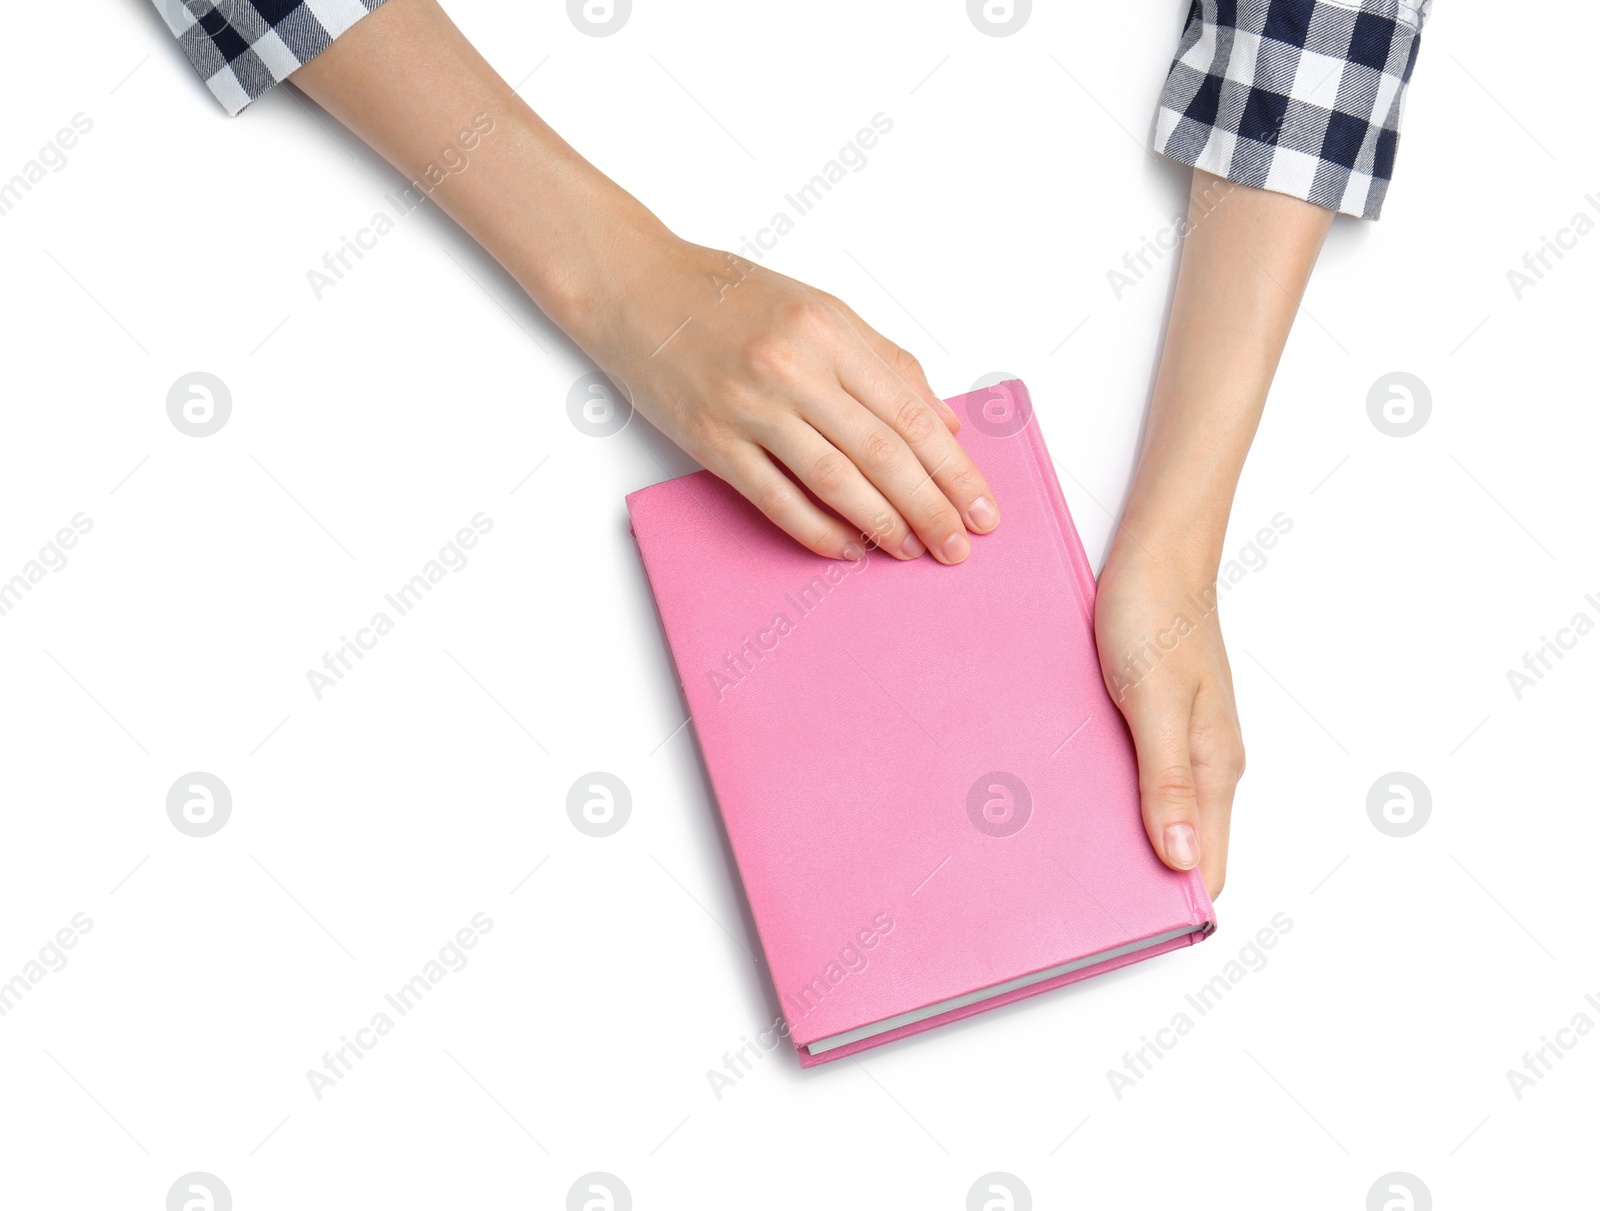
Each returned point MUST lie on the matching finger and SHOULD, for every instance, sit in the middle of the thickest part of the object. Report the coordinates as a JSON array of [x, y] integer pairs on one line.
[[752, 474], [1217, 757], [882, 457], [949, 468], [1167, 793], [898, 360], [839, 483]]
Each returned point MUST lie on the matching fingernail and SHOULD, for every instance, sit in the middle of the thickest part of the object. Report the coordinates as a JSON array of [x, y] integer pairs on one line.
[[956, 547], [1183, 846], [853, 551], [911, 548], [982, 515]]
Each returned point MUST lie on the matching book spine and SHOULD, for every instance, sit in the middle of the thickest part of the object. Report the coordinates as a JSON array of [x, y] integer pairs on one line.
[[1071, 546], [1079, 572]]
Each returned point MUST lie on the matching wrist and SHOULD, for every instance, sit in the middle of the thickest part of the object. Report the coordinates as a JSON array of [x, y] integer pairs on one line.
[[572, 238], [1175, 556], [606, 258], [1183, 532], [575, 241], [1178, 504]]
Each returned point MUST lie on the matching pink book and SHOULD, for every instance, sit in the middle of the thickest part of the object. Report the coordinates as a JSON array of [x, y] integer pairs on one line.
[[932, 800]]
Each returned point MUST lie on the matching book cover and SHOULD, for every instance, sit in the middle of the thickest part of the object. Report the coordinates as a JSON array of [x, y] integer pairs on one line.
[[931, 798]]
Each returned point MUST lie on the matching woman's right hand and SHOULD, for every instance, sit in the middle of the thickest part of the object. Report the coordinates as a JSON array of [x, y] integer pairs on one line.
[[746, 369]]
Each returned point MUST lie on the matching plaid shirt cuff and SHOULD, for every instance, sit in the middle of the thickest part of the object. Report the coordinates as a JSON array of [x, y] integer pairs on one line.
[[1301, 97], [241, 48]]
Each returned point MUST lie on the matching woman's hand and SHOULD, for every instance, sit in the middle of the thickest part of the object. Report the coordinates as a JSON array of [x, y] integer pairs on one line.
[[1163, 660], [1247, 255], [750, 371], [747, 370]]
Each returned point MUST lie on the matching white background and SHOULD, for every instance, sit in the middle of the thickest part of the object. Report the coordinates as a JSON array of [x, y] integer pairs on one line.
[[369, 826]]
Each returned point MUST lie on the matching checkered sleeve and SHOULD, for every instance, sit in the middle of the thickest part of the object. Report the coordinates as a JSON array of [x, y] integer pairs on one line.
[[241, 48], [1301, 97]]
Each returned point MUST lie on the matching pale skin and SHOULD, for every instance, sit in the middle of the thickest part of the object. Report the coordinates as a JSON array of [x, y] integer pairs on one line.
[[772, 373], [1246, 260]]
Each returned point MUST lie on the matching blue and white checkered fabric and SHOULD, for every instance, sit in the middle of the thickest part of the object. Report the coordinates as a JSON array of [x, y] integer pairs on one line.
[[241, 48], [1301, 97]]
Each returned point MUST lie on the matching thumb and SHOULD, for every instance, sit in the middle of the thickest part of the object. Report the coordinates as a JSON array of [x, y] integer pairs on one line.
[[1166, 780]]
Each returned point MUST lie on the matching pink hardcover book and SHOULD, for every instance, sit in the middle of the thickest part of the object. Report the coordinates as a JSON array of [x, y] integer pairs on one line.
[[932, 800]]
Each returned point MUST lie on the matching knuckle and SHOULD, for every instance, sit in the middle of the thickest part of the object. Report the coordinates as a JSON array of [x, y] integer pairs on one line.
[[1222, 753], [966, 483], [1236, 763], [915, 420], [823, 541], [906, 364], [1170, 784], [804, 314], [711, 444], [942, 518], [830, 471], [775, 498], [881, 525], [770, 355], [879, 449]]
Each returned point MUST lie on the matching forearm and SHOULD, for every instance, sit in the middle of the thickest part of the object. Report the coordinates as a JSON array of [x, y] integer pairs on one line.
[[1246, 259], [410, 85], [783, 375]]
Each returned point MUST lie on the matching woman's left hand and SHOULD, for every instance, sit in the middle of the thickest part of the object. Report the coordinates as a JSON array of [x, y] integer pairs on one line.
[[1163, 660]]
